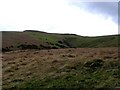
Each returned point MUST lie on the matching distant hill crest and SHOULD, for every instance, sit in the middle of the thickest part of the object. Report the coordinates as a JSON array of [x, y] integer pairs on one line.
[[34, 39]]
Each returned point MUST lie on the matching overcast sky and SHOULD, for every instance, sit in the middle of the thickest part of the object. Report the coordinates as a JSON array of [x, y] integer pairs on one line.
[[91, 18]]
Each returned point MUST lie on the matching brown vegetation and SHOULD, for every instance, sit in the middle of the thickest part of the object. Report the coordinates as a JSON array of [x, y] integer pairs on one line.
[[19, 66]]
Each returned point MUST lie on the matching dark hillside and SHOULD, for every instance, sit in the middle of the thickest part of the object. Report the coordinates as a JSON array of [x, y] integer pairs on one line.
[[30, 39]]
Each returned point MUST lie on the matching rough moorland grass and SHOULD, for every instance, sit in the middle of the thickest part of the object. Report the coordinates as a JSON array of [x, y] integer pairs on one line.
[[89, 75]]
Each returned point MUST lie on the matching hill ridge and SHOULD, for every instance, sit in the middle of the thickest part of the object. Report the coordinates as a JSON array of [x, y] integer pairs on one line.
[[33, 39]]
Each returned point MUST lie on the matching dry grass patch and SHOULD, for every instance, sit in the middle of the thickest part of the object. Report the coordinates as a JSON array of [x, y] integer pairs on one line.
[[20, 67]]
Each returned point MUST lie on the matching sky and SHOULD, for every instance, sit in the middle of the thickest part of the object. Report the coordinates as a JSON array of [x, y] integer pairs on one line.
[[93, 18]]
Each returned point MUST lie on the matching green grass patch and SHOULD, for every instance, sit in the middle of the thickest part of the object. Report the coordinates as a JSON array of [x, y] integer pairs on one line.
[[92, 74]]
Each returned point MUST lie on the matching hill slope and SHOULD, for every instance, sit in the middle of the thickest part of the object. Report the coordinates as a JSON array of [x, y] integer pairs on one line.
[[30, 39], [77, 68]]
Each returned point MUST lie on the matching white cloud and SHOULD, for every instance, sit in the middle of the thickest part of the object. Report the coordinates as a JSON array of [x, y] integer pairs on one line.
[[56, 16]]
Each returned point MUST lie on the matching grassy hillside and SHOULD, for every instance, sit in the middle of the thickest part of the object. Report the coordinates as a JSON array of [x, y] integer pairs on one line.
[[85, 68], [70, 61], [41, 40]]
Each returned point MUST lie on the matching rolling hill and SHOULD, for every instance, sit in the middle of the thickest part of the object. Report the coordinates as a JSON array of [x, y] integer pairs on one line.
[[69, 62], [30, 39]]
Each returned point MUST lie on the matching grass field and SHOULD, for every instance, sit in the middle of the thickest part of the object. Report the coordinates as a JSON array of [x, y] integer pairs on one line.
[[85, 68], [42, 40]]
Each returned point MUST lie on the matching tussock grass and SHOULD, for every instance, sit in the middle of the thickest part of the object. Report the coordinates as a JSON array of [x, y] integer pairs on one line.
[[85, 68]]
